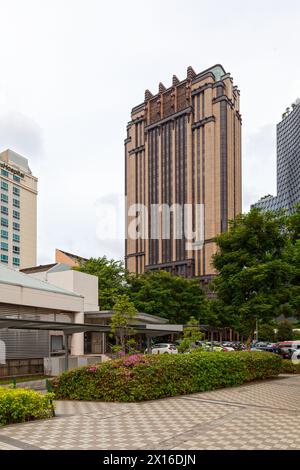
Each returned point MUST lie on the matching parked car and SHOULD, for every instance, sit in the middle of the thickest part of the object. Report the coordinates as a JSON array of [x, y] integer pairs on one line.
[[237, 345], [296, 355], [287, 348], [164, 348], [227, 348], [232, 345], [213, 346]]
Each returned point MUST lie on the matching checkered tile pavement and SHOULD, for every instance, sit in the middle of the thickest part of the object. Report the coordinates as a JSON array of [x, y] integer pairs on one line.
[[262, 415]]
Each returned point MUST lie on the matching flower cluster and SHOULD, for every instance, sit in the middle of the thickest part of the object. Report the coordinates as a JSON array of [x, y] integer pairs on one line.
[[93, 368], [133, 360]]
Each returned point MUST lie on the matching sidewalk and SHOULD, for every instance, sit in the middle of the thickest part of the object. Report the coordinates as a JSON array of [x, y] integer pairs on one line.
[[263, 415], [32, 384]]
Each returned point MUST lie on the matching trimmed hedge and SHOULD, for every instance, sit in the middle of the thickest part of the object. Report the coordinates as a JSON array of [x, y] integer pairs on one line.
[[19, 405], [150, 377], [288, 367]]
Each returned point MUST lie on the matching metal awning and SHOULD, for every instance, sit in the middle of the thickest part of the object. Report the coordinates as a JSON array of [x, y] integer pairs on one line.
[[70, 328], [141, 317], [150, 330], [158, 330], [67, 328]]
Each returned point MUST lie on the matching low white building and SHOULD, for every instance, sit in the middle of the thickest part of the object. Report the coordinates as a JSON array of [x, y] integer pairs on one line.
[[59, 296], [52, 310], [63, 276]]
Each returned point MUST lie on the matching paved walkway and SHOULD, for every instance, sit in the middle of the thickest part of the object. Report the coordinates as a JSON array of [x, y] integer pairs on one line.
[[32, 385], [263, 415]]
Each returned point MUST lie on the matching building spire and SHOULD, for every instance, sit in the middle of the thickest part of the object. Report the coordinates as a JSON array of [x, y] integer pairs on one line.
[[190, 73], [161, 88], [148, 95], [175, 80]]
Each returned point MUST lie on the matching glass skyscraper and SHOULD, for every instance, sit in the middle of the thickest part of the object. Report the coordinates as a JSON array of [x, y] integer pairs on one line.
[[288, 163]]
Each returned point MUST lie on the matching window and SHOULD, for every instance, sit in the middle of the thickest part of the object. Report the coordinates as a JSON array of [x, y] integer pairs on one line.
[[4, 258], [4, 246], [4, 198], [4, 222], [16, 214], [16, 262], [16, 203], [4, 173], [16, 226], [16, 191], [16, 237], [16, 250], [4, 234], [4, 210], [4, 185], [57, 343], [17, 178]]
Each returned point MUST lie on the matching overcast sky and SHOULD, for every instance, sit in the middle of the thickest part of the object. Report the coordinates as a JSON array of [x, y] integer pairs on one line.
[[71, 70]]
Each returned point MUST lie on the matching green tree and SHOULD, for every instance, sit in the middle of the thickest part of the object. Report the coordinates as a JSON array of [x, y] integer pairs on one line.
[[293, 257], [172, 297], [266, 332], [124, 314], [191, 334], [284, 331], [296, 335], [255, 275], [112, 279]]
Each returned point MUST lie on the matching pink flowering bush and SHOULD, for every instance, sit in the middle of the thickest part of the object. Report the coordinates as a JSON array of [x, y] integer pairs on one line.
[[133, 360], [137, 377]]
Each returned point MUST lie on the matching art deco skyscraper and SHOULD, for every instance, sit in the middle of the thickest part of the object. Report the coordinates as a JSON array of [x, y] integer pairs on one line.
[[183, 146]]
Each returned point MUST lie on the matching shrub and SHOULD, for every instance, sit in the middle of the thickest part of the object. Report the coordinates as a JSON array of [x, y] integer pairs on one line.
[[19, 405], [157, 376], [288, 367]]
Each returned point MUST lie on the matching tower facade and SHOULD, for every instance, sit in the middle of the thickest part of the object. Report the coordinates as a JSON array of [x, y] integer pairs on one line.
[[288, 163], [183, 149], [18, 190]]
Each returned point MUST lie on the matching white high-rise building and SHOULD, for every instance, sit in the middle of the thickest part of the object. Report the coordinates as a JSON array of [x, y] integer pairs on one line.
[[18, 193]]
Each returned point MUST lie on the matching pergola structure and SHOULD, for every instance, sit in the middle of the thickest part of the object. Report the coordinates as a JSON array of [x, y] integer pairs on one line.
[[68, 329]]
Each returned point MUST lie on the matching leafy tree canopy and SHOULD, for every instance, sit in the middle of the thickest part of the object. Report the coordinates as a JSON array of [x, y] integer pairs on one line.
[[112, 279], [120, 323], [173, 297], [256, 261], [191, 334], [266, 332], [284, 331]]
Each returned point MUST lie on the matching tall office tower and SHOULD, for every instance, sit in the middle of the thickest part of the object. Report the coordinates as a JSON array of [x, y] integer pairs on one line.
[[288, 163], [18, 189], [183, 147]]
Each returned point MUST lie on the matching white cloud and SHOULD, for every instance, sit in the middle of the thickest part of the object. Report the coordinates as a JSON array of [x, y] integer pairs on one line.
[[72, 69]]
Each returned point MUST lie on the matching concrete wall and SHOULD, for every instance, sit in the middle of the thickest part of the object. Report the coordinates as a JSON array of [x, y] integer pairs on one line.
[[56, 365], [81, 283], [14, 294]]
